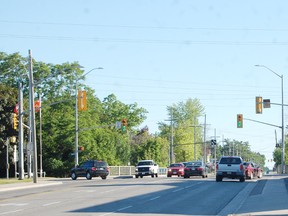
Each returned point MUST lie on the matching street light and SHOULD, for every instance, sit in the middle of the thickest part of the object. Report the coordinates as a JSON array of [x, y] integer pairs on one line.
[[76, 114], [282, 127]]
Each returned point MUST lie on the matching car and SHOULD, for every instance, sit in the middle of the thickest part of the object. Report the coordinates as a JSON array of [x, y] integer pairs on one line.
[[230, 167], [146, 168], [195, 168], [252, 170], [175, 169], [91, 168]]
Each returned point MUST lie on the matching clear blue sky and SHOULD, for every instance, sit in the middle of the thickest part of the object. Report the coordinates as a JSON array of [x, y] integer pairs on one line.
[[160, 52]]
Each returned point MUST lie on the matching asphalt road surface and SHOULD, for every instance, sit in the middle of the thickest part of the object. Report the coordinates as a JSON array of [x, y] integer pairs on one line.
[[145, 196]]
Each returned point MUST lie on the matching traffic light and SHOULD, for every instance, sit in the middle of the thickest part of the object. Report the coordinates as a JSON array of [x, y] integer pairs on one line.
[[239, 121], [259, 103], [80, 148], [124, 125], [82, 100], [15, 121]]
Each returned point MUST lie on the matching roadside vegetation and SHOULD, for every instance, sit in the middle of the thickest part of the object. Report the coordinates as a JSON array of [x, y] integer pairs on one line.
[[55, 84]]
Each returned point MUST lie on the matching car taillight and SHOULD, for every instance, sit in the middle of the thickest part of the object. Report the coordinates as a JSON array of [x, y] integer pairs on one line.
[[180, 170], [93, 168], [200, 168], [241, 166]]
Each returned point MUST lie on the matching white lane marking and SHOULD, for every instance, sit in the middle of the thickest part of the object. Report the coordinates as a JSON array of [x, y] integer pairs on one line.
[[11, 212], [118, 210], [154, 198], [13, 204], [107, 191], [53, 203], [121, 209], [178, 190], [87, 191]]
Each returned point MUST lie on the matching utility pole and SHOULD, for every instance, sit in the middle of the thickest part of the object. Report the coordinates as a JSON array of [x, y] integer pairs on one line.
[[194, 126], [20, 134], [172, 138], [205, 148], [215, 157], [40, 140], [32, 126], [171, 151]]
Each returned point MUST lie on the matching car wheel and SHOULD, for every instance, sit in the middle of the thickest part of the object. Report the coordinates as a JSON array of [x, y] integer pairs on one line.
[[73, 176], [141, 176], [152, 175], [104, 177], [88, 176], [156, 175], [136, 176], [218, 179], [242, 179]]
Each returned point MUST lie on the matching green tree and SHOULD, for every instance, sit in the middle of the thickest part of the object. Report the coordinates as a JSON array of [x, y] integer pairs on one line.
[[184, 116], [56, 84]]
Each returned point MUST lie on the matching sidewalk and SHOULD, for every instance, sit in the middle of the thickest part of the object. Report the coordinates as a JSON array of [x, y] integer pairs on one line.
[[42, 182], [268, 197]]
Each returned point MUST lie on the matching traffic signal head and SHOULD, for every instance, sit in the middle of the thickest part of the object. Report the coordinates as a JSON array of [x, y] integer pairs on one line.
[[80, 148], [239, 121], [15, 121], [124, 125], [259, 103]]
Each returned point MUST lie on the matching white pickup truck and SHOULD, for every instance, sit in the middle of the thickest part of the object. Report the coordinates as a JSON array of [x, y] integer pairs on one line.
[[230, 167], [146, 168]]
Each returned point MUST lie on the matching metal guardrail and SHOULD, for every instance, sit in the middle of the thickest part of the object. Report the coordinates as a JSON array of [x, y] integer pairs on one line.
[[130, 170]]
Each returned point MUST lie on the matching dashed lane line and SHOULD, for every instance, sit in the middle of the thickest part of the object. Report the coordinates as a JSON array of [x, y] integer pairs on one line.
[[49, 204], [11, 212]]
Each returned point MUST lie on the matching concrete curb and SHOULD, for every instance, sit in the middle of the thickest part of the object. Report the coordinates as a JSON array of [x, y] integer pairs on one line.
[[19, 186]]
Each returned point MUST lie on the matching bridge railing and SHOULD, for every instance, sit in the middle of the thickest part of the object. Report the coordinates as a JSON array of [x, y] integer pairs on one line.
[[130, 170]]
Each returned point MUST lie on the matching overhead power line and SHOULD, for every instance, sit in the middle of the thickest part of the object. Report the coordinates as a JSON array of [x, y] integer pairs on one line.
[[146, 41], [142, 27]]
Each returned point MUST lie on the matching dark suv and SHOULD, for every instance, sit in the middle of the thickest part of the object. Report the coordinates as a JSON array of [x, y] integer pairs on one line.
[[91, 168]]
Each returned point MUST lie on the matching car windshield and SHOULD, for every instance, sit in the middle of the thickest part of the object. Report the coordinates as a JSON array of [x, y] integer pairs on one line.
[[176, 165], [195, 163], [101, 164], [230, 160], [143, 163]]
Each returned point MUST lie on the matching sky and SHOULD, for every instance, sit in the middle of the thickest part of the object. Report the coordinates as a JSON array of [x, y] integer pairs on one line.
[[157, 53]]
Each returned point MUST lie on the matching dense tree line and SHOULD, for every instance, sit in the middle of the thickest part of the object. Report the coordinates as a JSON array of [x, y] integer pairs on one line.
[[56, 85]]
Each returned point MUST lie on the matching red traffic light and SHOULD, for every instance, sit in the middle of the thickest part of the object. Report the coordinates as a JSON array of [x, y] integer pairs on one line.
[[124, 122]]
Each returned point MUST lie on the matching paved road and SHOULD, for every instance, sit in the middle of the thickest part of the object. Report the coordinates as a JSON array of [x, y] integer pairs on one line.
[[148, 196]]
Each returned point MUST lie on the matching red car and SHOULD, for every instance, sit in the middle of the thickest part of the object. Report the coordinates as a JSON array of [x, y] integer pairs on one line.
[[175, 169], [252, 170]]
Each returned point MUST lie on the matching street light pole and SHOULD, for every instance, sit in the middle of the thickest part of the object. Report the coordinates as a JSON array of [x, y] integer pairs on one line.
[[282, 126], [76, 114]]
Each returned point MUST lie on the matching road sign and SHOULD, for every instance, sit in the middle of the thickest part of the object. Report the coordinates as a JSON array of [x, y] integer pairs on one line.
[[266, 103]]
